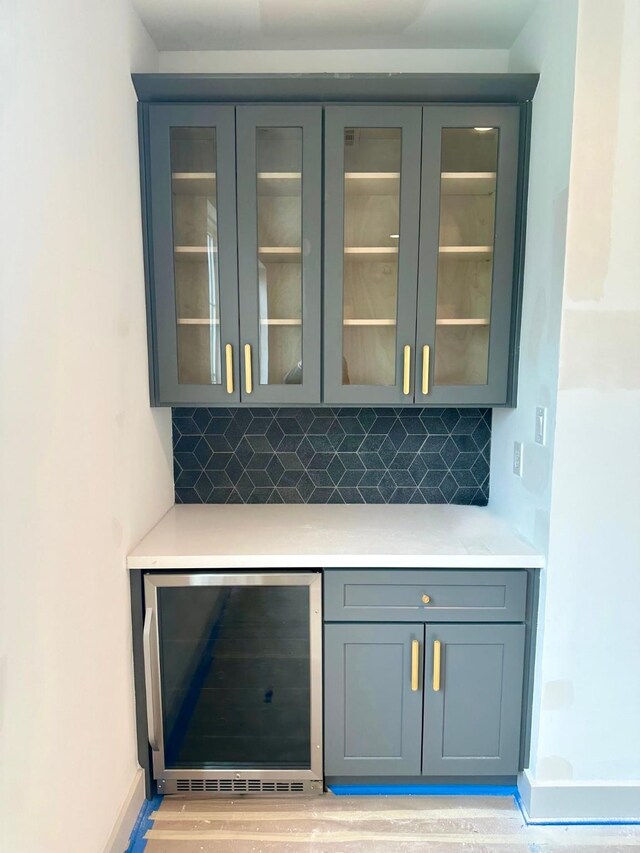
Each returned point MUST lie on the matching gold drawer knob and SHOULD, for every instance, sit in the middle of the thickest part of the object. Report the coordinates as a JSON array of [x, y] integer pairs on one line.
[[426, 599]]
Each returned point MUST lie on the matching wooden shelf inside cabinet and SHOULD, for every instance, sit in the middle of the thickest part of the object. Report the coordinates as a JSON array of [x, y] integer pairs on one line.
[[280, 322], [371, 183], [280, 254], [370, 253], [194, 183], [465, 321], [467, 253], [362, 322], [194, 253], [279, 183], [197, 321], [468, 183]]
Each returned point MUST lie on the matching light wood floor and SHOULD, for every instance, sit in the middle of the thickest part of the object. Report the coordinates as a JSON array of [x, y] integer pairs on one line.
[[369, 825]]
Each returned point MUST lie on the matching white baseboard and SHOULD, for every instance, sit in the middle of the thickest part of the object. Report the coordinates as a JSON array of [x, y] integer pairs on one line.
[[577, 802], [119, 839]]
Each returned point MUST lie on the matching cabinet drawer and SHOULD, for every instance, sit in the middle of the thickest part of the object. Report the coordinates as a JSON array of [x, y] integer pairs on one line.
[[391, 595]]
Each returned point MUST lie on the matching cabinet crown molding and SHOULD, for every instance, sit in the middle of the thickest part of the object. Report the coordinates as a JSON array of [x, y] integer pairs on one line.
[[336, 88]]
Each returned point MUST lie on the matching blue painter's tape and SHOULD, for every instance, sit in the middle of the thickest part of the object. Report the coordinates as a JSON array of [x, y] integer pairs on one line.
[[424, 790], [533, 822], [137, 841]]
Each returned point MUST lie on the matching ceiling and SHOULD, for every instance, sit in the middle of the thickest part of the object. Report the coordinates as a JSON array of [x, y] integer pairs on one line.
[[332, 24]]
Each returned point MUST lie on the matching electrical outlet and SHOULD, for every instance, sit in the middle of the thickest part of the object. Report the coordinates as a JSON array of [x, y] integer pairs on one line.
[[541, 425], [518, 452]]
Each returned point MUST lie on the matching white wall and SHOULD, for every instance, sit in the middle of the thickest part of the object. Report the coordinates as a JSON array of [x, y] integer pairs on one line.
[[588, 727], [578, 499], [333, 61], [547, 44], [85, 462]]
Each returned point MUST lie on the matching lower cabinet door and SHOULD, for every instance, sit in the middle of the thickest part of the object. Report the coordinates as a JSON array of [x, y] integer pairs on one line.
[[472, 699], [373, 699]]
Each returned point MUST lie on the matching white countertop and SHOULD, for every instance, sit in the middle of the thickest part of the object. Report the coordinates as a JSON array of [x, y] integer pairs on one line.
[[325, 535]]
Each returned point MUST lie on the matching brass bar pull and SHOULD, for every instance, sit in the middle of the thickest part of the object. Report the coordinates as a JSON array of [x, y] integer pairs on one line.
[[425, 369], [248, 379], [228, 351], [415, 664], [436, 665], [406, 375]]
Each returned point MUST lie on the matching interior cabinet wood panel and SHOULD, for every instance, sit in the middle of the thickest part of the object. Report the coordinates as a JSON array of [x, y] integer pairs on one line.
[[369, 290], [281, 221]]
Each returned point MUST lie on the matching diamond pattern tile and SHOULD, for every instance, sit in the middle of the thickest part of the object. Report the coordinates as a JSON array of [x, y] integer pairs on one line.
[[326, 455]]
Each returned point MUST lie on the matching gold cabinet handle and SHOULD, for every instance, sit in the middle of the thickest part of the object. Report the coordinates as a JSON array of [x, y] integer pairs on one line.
[[425, 369], [248, 379], [436, 665], [406, 375], [426, 598], [415, 664], [228, 352]]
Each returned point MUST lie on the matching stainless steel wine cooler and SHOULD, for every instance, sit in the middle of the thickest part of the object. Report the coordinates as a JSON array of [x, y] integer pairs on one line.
[[233, 676]]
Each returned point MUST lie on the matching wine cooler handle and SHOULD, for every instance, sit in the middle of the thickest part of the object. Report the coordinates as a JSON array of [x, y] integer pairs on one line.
[[148, 678]]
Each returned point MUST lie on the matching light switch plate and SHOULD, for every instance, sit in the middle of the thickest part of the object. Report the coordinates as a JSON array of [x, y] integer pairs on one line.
[[541, 425], [517, 458]]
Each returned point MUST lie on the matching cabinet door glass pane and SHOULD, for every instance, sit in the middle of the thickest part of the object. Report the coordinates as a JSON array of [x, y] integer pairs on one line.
[[465, 264], [372, 158], [279, 194], [235, 676], [195, 247]]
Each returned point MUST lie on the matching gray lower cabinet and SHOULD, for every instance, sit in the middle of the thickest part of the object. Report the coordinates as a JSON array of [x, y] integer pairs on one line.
[[373, 718], [424, 595], [472, 699], [427, 672]]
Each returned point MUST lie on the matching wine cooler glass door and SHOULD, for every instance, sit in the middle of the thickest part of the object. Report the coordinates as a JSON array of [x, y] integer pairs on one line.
[[234, 665]]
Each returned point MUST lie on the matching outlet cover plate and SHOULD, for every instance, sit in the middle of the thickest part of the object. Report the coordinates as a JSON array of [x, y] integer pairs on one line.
[[541, 425], [517, 458]]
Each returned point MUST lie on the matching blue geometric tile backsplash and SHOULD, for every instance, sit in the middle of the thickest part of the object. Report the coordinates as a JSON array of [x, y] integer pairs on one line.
[[324, 455]]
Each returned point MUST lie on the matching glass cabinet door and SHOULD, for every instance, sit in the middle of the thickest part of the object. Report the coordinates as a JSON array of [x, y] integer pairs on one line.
[[372, 173], [192, 176], [279, 234], [469, 173]]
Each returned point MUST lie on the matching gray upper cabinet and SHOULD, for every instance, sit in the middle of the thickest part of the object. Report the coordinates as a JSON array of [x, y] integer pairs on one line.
[[308, 254], [372, 203], [466, 270], [192, 262], [235, 304], [279, 186], [373, 719], [472, 699]]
